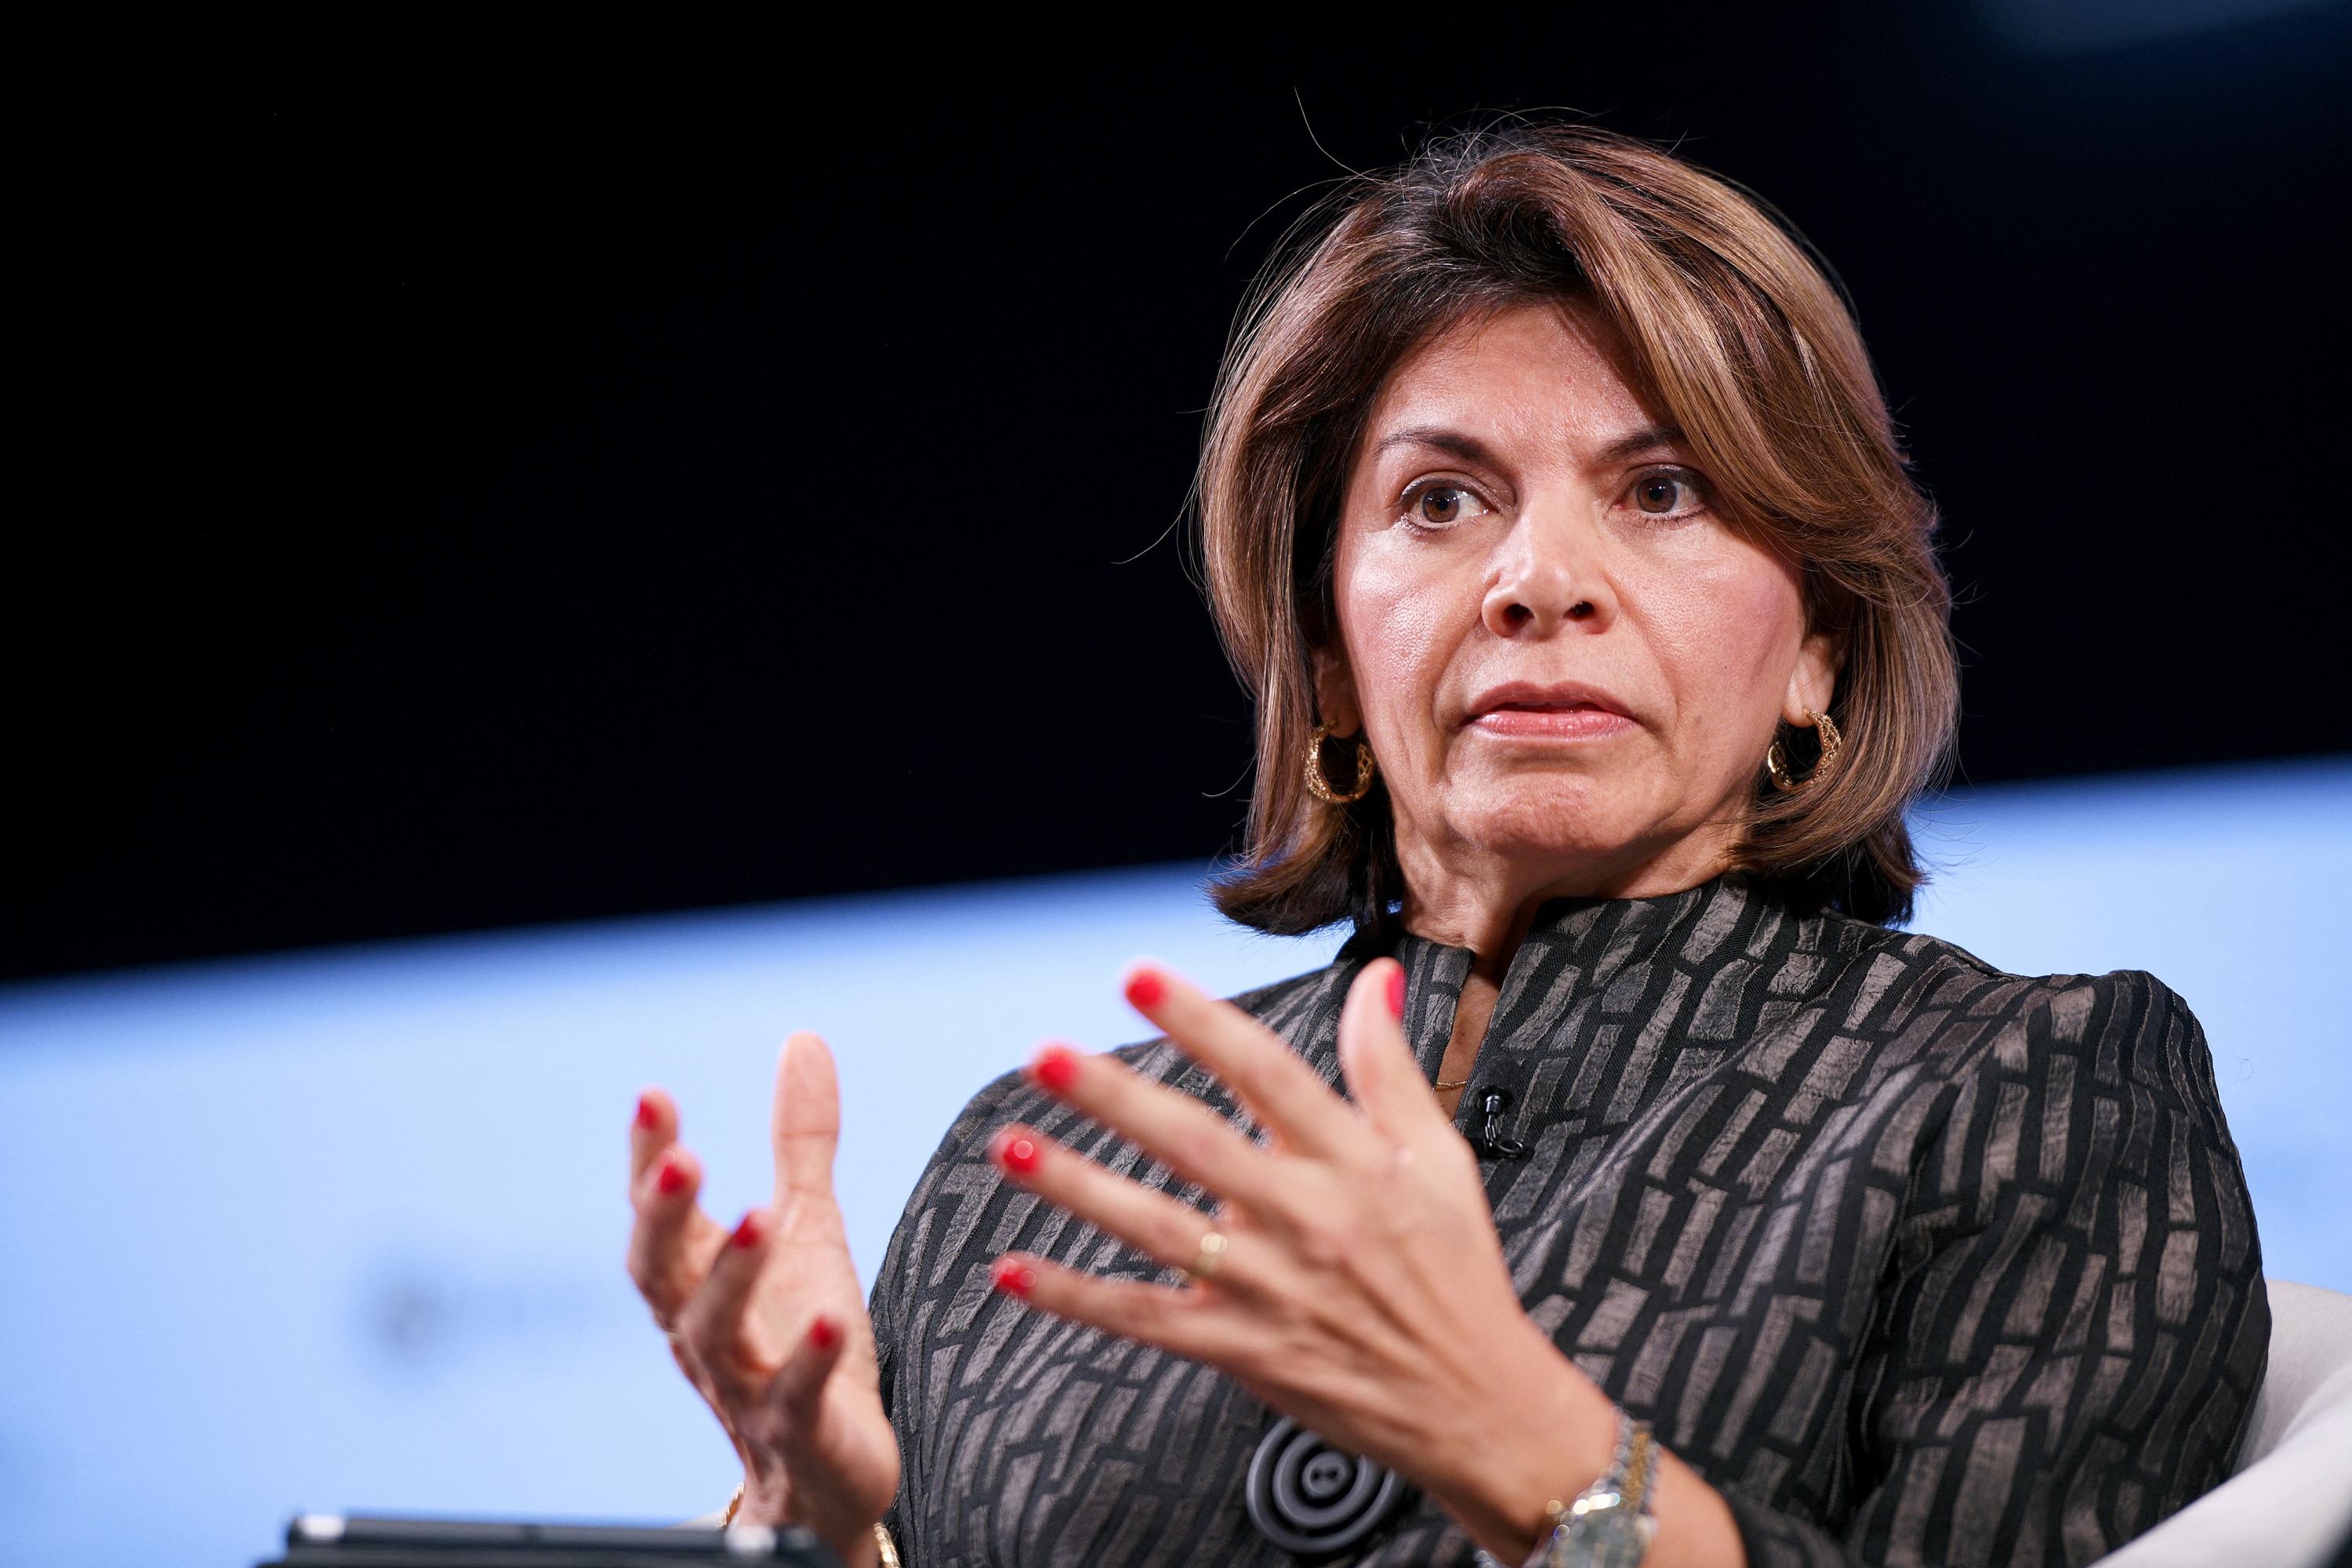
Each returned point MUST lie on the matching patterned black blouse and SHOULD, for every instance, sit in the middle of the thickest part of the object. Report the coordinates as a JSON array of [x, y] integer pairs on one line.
[[1916, 1261]]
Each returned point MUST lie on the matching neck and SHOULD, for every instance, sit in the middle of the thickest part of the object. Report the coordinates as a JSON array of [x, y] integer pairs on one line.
[[1485, 902]]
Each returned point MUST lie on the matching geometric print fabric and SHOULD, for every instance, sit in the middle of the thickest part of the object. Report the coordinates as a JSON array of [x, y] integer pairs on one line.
[[1916, 1261]]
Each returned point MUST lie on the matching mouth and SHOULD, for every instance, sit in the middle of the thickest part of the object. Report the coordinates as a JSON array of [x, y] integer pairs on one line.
[[1564, 711]]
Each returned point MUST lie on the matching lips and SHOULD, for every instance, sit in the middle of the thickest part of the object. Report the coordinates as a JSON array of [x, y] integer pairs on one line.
[[1546, 700], [1565, 711]]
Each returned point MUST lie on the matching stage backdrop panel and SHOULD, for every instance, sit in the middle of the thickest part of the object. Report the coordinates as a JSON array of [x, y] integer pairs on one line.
[[345, 1229]]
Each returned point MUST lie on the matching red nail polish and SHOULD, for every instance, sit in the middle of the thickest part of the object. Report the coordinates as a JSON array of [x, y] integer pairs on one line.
[[823, 1334], [1055, 1068], [648, 1113], [671, 1179], [1013, 1277], [1017, 1152], [746, 1233], [1396, 992], [1144, 988]]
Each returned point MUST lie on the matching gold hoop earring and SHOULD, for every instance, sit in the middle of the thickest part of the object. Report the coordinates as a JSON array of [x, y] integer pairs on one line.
[[1776, 764], [1319, 785]]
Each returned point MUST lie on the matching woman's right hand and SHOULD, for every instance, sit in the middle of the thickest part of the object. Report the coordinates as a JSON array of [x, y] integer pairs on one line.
[[767, 1321]]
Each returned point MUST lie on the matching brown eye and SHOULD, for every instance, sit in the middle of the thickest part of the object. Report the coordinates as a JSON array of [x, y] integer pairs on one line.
[[1440, 505], [1660, 494]]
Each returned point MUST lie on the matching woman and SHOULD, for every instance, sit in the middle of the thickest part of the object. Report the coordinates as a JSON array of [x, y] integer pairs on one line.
[[1626, 1190]]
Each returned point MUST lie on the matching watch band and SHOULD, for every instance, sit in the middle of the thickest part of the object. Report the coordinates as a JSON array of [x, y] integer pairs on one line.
[[1608, 1524]]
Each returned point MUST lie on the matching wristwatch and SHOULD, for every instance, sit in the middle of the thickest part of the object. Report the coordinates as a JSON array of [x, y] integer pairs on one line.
[[1608, 1524]]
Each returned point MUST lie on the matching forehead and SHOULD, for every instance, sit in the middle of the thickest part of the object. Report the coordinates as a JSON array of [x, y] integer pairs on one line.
[[1551, 376]]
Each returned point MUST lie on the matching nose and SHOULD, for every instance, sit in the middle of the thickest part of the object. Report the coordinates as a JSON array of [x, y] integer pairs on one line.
[[1547, 576]]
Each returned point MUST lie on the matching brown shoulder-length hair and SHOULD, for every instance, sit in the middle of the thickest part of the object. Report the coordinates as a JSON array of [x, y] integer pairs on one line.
[[1741, 339]]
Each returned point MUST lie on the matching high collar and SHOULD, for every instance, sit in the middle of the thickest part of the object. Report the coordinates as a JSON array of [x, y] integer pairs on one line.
[[1576, 949]]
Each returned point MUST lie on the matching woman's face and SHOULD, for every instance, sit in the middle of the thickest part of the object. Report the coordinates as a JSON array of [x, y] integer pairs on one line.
[[1566, 662]]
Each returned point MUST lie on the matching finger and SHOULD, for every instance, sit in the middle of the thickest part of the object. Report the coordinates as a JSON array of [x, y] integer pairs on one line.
[[1152, 1223], [715, 1322], [1383, 1078], [805, 1125], [653, 1130], [1172, 1126], [673, 1241], [799, 1385], [1193, 1324], [1280, 1089]]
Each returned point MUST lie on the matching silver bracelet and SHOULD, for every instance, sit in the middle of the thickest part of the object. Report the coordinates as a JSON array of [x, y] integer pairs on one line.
[[1608, 1524]]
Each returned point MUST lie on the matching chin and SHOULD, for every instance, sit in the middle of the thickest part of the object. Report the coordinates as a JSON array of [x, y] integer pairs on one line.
[[1558, 816]]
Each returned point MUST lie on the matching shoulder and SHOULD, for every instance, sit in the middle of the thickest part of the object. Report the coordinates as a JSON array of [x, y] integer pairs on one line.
[[2077, 1095], [1282, 1006], [2127, 1023], [951, 1209], [1990, 1076], [2121, 1029]]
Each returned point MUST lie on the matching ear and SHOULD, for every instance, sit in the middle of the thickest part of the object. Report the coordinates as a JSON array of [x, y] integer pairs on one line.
[[1335, 692], [1814, 678]]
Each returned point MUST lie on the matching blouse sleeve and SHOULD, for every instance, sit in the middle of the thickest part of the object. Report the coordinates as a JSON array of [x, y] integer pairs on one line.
[[2070, 1335]]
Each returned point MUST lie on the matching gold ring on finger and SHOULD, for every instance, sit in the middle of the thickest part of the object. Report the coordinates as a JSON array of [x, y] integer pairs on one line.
[[1206, 1262]]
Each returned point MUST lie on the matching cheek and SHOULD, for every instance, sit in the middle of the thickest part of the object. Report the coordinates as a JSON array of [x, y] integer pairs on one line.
[[1395, 621], [1726, 638]]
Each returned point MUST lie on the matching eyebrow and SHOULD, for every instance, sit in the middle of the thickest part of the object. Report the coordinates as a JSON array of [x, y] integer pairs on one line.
[[1634, 443], [1470, 449]]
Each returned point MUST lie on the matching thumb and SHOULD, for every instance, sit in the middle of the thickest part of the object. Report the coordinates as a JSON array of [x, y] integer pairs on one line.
[[805, 1125], [1383, 1076]]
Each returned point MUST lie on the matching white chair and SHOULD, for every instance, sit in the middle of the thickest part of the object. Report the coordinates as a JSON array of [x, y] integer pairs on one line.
[[2288, 1503]]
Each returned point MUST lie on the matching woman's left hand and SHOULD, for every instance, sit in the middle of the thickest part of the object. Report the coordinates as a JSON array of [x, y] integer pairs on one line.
[[1361, 1288]]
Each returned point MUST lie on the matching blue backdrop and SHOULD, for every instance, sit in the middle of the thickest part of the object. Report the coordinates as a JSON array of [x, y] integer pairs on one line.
[[345, 1229]]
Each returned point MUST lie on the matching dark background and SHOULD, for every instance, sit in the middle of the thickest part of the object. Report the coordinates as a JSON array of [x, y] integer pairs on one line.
[[510, 477]]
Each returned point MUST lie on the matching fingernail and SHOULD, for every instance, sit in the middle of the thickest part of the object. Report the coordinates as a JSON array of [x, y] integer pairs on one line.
[[823, 1334], [1013, 1277], [671, 1181], [1144, 988], [1396, 992], [1017, 1152], [746, 1233], [1054, 1068], [648, 1112]]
